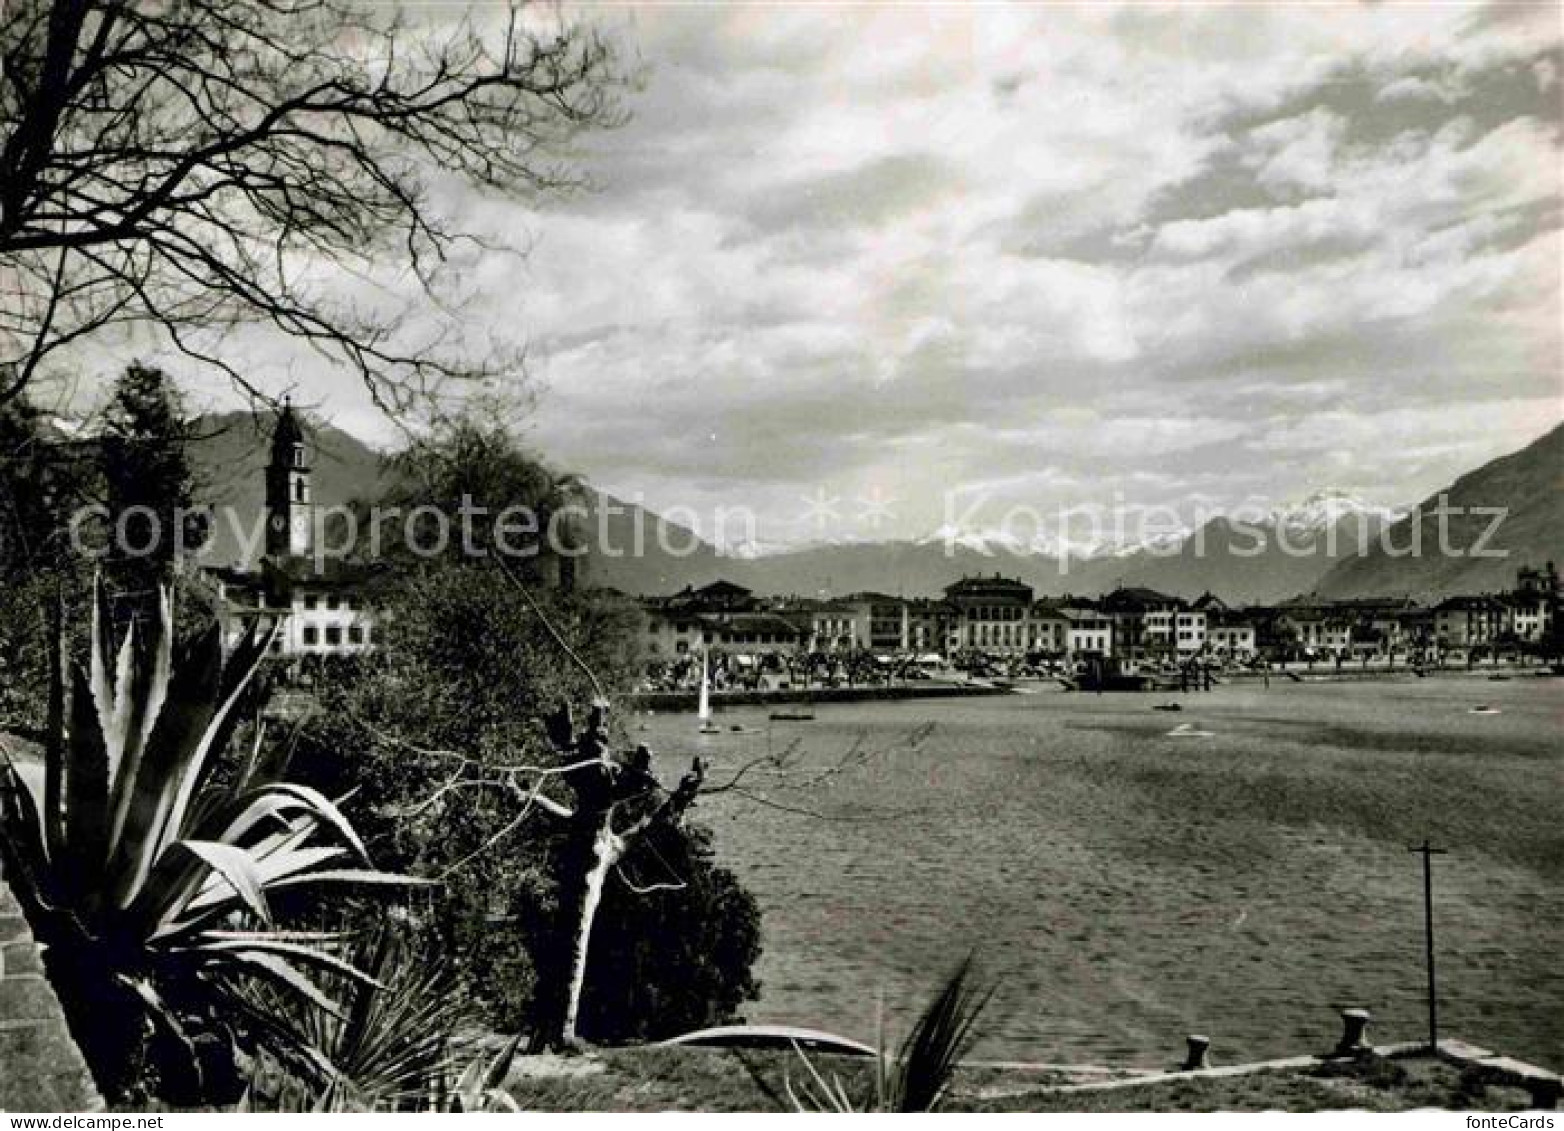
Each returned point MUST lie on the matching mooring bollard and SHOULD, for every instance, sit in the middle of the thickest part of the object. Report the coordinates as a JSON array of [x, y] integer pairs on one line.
[[1354, 1025], [1195, 1058], [1545, 1093]]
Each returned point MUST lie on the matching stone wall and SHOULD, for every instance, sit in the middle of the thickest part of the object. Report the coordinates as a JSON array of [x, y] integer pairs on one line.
[[41, 1068]]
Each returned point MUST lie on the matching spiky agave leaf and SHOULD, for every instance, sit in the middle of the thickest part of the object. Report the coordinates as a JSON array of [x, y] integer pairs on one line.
[[292, 797], [235, 868], [819, 1095], [21, 811], [51, 815], [234, 680], [176, 740], [86, 793], [197, 721], [216, 896], [920, 1076], [317, 957], [272, 969], [180, 894], [479, 1087], [145, 689]]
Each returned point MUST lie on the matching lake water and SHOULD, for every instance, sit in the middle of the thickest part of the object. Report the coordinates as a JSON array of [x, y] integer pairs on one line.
[[1125, 888]]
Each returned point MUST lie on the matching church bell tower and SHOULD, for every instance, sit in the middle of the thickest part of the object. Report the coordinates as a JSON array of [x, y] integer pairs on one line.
[[289, 529]]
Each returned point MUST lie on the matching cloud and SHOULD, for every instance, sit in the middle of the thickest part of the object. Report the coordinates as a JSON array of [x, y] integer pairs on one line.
[[967, 239], [1067, 250], [1297, 153]]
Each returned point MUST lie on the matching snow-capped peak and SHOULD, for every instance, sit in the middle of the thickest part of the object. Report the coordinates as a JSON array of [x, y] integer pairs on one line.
[[981, 541], [1323, 510], [748, 549], [1036, 543]]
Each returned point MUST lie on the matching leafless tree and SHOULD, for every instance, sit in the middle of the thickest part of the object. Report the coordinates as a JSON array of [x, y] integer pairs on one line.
[[198, 164]]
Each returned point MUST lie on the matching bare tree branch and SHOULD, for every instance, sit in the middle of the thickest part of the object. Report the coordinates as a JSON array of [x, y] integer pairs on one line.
[[213, 163]]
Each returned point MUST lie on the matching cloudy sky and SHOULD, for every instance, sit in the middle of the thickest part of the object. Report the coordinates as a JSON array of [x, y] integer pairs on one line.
[[1048, 255]]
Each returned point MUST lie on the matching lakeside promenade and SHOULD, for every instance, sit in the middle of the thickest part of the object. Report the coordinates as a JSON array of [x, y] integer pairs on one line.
[[920, 689], [686, 700]]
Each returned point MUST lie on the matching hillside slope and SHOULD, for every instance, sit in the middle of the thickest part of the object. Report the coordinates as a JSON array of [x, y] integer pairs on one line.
[[1252, 564], [229, 456], [1527, 485]]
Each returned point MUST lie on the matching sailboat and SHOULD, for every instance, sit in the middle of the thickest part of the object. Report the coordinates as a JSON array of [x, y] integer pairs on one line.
[[703, 713]]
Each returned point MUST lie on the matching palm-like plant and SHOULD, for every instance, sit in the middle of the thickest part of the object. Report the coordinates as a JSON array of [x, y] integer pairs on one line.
[[149, 870], [478, 1087], [392, 1046], [918, 1076]]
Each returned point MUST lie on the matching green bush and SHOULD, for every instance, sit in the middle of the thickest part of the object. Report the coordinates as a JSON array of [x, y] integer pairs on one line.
[[455, 693]]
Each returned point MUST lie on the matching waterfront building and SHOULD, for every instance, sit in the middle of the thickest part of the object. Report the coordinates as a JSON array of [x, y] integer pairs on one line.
[[823, 626], [1319, 628], [1533, 605], [1530, 616], [1381, 625], [991, 613], [1469, 622], [998, 615], [1048, 629], [1145, 622], [719, 598], [932, 627], [1231, 634], [751, 633], [669, 633], [881, 621], [1189, 631], [1091, 632]]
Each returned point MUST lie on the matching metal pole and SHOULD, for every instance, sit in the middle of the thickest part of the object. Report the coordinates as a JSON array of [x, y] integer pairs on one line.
[[1428, 853], [1428, 935]]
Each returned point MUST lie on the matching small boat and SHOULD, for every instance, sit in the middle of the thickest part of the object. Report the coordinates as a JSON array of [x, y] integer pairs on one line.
[[1498, 678], [776, 1037], [1167, 707], [1483, 709], [703, 712], [1188, 730], [792, 716]]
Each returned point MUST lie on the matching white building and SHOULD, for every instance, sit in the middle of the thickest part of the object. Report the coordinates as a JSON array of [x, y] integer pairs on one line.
[[1090, 632], [1189, 631], [1230, 635]]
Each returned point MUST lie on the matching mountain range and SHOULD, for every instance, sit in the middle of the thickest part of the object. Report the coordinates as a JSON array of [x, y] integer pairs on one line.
[[1329, 542], [1505, 514]]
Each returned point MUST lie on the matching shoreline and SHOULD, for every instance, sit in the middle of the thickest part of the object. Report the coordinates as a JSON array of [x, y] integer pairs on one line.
[[1361, 675], [687, 700]]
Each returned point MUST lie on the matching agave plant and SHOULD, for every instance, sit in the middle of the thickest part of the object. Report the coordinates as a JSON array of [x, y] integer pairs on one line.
[[918, 1076], [149, 870]]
